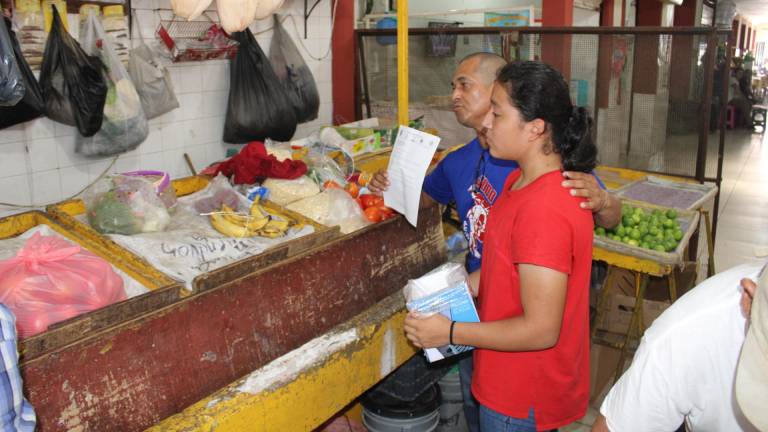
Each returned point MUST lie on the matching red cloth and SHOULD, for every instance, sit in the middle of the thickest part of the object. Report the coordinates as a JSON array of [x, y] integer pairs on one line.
[[540, 224], [253, 162]]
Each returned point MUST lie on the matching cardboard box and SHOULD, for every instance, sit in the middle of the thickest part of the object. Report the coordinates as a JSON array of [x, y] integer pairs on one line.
[[621, 300], [602, 368]]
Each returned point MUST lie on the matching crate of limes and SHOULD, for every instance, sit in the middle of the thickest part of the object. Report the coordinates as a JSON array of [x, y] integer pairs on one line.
[[649, 231]]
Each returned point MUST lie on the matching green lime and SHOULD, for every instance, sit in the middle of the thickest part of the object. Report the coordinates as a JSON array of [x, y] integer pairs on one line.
[[678, 235], [671, 214], [669, 223], [625, 239], [645, 245], [669, 246], [635, 234], [621, 230], [632, 242], [600, 231], [659, 248]]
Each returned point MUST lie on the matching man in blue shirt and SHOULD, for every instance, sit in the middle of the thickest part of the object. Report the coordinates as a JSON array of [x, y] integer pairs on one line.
[[472, 178]]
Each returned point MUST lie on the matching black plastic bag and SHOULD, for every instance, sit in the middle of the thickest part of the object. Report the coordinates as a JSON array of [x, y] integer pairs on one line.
[[73, 83], [294, 74], [31, 106], [258, 107], [11, 81]]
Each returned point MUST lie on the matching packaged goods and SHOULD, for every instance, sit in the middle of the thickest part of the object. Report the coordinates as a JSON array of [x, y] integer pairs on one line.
[[284, 192], [123, 204]]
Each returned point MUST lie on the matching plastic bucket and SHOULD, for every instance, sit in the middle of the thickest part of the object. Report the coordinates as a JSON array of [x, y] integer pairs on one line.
[[382, 413], [452, 406]]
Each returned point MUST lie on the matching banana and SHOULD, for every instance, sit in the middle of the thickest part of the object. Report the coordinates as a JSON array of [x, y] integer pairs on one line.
[[251, 222], [226, 227]]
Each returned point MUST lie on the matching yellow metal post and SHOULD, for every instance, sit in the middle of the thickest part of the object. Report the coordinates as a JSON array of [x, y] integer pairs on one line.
[[402, 62]]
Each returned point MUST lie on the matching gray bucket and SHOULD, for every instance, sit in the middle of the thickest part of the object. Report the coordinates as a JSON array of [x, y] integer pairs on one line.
[[383, 413], [377, 423], [452, 406]]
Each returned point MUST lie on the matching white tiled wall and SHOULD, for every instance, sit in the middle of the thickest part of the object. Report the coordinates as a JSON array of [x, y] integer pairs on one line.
[[38, 164]]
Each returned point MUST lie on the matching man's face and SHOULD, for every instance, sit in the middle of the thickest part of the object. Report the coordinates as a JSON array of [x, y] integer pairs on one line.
[[471, 97]]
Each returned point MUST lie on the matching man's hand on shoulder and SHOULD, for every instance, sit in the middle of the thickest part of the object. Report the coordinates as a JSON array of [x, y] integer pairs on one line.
[[603, 204]]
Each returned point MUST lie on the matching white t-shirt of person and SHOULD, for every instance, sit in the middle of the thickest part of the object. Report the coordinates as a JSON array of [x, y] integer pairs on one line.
[[685, 367]]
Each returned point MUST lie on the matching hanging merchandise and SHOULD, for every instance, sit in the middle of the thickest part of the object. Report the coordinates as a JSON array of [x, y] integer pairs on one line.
[[236, 15], [125, 125], [152, 80], [28, 19], [82, 17], [190, 9], [116, 26], [294, 74], [31, 106], [266, 8], [48, 13], [51, 280], [11, 81], [258, 107], [73, 84]]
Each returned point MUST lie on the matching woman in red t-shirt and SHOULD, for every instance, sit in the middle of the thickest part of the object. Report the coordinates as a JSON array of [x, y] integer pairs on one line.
[[532, 356]]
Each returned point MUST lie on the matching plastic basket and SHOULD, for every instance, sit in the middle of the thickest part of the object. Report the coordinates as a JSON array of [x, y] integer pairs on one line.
[[195, 40]]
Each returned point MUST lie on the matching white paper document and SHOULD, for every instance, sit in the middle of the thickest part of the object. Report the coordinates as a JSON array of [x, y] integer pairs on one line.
[[411, 155]]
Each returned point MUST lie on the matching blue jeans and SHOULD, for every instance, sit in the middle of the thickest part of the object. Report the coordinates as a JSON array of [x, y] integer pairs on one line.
[[492, 421], [471, 407]]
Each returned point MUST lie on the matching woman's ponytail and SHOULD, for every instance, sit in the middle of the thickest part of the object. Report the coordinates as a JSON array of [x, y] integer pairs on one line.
[[576, 147]]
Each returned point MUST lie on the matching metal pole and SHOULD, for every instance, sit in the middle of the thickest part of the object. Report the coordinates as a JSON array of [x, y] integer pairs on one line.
[[402, 62]]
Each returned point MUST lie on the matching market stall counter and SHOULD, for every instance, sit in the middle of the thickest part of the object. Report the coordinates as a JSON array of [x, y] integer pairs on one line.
[[132, 375]]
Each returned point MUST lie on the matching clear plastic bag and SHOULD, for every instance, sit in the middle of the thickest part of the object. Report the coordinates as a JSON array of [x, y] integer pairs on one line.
[[72, 81], [125, 125], [294, 74], [125, 205], [210, 199], [332, 207], [152, 80], [444, 276], [51, 280], [11, 81], [285, 192]]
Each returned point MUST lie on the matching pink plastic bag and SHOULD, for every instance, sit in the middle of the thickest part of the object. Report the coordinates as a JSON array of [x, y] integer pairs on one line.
[[50, 280]]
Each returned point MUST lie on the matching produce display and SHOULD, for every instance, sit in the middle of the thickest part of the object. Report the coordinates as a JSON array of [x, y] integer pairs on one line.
[[655, 230]]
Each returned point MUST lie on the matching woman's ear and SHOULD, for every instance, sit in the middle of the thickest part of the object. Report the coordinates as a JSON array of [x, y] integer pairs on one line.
[[536, 129]]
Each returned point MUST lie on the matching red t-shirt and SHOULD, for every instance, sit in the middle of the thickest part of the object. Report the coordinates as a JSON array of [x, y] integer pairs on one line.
[[540, 224]]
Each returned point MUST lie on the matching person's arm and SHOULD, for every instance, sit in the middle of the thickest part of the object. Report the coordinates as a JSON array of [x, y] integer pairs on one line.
[[542, 292], [474, 282], [605, 207], [600, 425]]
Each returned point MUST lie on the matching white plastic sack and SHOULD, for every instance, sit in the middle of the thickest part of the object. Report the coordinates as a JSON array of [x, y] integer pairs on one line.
[[125, 125], [284, 192], [190, 9], [236, 15], [152, 80]]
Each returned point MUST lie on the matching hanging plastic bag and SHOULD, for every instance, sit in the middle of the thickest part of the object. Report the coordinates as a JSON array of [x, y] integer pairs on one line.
[[294, 74], [31, 106], [258, 107], [125, 125], [11, 82], [51, 280], [152, 80], [73, 83]]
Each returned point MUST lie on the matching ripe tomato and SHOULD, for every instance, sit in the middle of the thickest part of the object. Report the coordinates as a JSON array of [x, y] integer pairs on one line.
[[386, 213], [360, 203], [352, 189], [373, 214], [368, 200]]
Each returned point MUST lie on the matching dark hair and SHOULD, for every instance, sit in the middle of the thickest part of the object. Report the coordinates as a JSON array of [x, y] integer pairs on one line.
[[537, 90]]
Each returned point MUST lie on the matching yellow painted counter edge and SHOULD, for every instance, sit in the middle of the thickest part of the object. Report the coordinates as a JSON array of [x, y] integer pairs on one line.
[[318, 391]]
